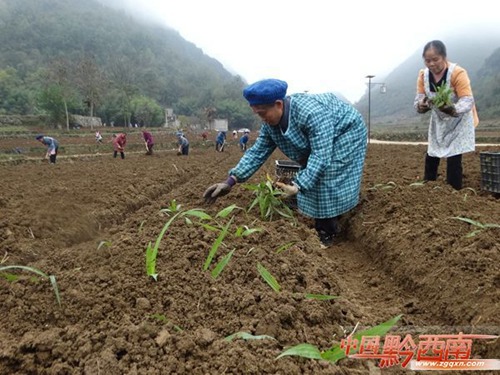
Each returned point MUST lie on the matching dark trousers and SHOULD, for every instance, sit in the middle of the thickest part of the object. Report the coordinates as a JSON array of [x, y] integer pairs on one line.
[[52, 157], [122, 154], [150, 150], [453, 170], [328, 226], [185, 150]]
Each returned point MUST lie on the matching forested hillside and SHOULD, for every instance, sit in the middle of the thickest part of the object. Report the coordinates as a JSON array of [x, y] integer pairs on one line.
[[488, 83], [479, 54], [94, 60]]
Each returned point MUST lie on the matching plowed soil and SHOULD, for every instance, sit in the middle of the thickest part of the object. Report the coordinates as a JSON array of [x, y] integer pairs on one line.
[[88, 219]]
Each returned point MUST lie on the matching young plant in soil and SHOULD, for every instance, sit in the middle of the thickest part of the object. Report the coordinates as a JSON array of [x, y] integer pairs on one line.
[[270, 280], [481, 227], [269, 200], [214, 249], [247, 336], [51, 278], [152, 251], [215, 226], [336, 353]]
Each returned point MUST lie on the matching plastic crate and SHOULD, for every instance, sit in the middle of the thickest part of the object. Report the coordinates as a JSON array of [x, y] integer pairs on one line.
[[287, 168], [490, 171]]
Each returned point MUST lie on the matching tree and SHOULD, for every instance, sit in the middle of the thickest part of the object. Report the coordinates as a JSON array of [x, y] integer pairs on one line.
[[91, 82], [122, 78], [14, 97], [146, 110], [59, 89]]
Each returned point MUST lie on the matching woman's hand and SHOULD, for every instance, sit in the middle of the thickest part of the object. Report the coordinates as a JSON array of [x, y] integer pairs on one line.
[[424, 105], [290, 190]]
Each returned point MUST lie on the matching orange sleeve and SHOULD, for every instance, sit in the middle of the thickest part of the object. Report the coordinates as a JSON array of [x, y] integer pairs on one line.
[[420, 82], [460, 82]]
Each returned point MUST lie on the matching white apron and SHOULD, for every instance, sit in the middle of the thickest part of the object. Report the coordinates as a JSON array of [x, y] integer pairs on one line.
[[448, 135]]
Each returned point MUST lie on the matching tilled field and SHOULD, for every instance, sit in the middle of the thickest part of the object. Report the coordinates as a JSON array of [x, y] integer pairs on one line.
[[400, 252]]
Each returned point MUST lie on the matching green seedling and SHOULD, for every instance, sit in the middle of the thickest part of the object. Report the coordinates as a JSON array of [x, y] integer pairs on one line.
[[335, 353], [418, 183], [215, 226], [466, 194], [284, 247], [244, 231], [320, 297], [225, 212], [216, 245], [163, 319], [141, 225], [481, 227], [269, 279], [51, 278], [152, 251], [222, 264], [443, 96], [159, 317], [247, 336], [269, 200], [104, 243], [387, 186]]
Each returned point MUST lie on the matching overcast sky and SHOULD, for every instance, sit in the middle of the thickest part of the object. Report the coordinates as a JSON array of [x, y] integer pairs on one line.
[[317, 45]]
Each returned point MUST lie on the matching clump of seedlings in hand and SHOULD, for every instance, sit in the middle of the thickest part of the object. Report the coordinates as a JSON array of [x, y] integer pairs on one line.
[[443, 96]]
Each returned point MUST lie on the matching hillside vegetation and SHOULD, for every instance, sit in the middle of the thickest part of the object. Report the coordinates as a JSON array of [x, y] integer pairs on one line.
[[87, 58]]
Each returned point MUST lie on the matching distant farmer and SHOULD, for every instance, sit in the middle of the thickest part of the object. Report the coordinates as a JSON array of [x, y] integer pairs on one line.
[[324, 134], [204, 135], [244, 141], [119, 142], [148, 142], [183, 143], [219, 141], [98, 136], [235, 134], [52, 147]]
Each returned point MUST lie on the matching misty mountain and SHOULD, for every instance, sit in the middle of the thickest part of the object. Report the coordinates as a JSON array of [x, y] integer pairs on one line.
[[478, 53], [139, 58]]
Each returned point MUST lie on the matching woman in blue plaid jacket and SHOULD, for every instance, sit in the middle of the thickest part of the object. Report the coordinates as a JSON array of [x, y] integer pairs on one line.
[[324, 134]]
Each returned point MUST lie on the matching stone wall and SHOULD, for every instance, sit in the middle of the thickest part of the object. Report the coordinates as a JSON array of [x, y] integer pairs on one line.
[[85, 121]]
